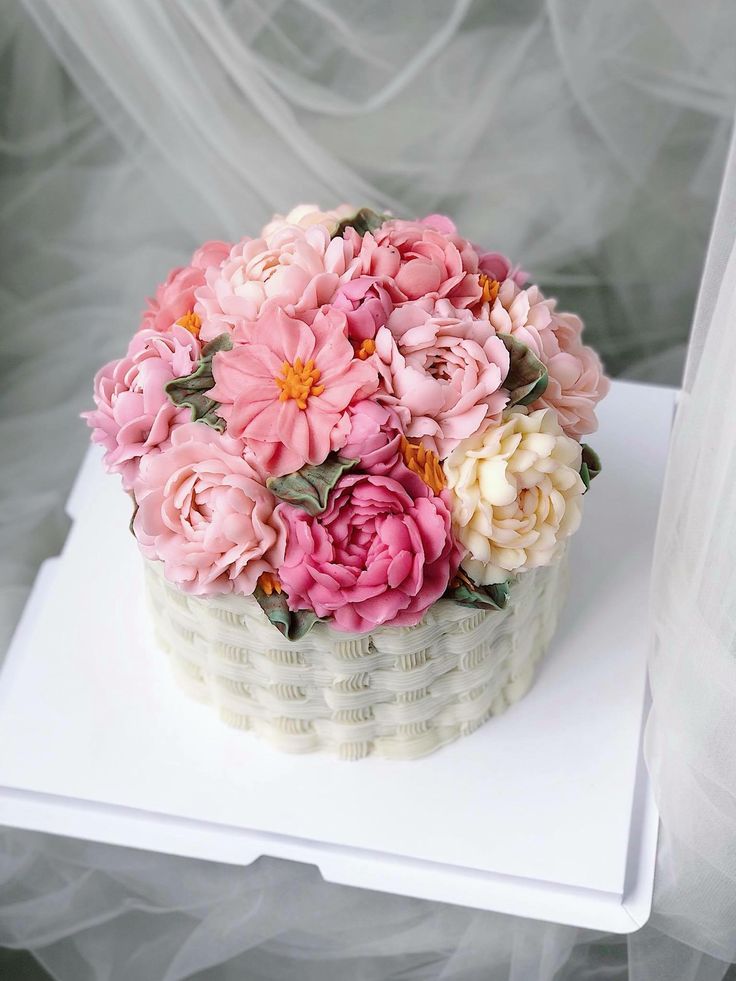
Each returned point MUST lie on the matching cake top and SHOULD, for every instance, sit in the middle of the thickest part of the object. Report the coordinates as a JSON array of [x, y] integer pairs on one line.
[[350, 417]]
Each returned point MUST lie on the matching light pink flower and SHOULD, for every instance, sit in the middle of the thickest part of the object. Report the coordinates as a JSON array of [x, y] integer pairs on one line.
[[134, 416], [306, 215], [423, 258], [380, 554], [174, 298], [294, 268], [286, 392], [375, 437], [442, 371], [206, 514], [576, 382]]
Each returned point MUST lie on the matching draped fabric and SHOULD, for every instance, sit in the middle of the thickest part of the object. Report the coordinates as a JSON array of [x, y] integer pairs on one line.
[[587, 141]]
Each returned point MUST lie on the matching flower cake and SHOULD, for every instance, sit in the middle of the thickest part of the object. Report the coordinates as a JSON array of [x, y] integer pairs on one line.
[[354, 446]]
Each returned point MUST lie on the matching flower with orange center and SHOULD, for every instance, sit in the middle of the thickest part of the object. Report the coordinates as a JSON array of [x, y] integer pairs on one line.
[[191, 321], [285, 391], [366, 349], [424, 463], [489, 288], [269, 583]]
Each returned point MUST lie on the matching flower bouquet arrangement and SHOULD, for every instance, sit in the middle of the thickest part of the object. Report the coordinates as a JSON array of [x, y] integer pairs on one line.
[[348, 419]]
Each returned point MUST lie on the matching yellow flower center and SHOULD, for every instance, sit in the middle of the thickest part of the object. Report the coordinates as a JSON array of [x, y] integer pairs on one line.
[[269, 583], [489, 287], [425, 463], [366, 349], [191, 322], [298, 381]]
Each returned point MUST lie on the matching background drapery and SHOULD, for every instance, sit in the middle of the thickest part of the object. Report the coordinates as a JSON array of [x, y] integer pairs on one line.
[[588, 141]]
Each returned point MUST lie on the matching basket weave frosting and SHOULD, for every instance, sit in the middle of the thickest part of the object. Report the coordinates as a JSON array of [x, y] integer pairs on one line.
[[396, 692]]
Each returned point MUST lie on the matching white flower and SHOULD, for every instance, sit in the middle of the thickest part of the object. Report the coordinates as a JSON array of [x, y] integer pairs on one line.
[[305, 215], [517, 494]]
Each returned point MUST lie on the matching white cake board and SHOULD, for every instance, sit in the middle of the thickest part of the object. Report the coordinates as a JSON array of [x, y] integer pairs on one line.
[[544, 812]]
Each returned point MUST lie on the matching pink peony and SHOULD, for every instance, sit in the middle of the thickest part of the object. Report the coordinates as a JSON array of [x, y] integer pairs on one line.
[[367, 304], [375, 437], [174, 299], [576, 380], [294, 268], [380, 554], [134, 416], [442, 371], [423, 258], [286, 392], [206, 514]]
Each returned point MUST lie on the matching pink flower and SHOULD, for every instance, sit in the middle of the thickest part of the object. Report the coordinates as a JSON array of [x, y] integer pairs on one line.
[[174, 299], [576, 382], [206, 514], [286, 391], [442, 371], [367, 304], [423, 258], [497, 267], [306, 215], [134, 416], [375, 437], [294, 268], [380, 554]]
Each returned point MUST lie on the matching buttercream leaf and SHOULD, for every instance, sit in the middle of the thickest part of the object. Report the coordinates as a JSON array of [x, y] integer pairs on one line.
[[464, 591], [365, 220], [527, 378], [309, 488], [591, 465], [293, 624], [191, 390]]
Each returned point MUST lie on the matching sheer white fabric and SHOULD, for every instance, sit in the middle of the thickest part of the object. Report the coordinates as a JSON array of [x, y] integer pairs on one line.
[[587, 140]]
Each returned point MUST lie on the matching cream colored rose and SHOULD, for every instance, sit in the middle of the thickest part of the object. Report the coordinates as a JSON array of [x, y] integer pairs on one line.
[[306, 215], [517, 494]]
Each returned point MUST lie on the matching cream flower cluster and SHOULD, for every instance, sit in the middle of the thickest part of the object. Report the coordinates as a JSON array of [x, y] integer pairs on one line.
[[517, 494]]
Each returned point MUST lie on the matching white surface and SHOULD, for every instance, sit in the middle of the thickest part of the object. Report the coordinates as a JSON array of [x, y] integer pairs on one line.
[[535, 814]]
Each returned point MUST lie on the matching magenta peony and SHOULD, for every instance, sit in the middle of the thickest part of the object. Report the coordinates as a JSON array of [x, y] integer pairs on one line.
[[206, 514], [442, 371], [134, 416], [423, 258], [174, 299], [294, 268], [287, 391], [380, 553]]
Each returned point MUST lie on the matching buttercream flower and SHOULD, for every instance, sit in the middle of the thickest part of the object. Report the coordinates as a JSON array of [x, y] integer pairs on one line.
[[367, 305], [293, 268], [379, 554], [287, 391], [443, 371], [497, 267], [206, 513], [576, 382], [306, 215], [375, 437], [423, 257], [134, 416], [517, 494], [174, 298]]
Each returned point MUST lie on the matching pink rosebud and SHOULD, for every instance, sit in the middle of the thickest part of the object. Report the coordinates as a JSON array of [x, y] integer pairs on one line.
[[367, 305], [375, 437]]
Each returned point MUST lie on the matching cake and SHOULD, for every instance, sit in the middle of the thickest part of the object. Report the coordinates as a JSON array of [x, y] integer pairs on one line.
[[354, 448]]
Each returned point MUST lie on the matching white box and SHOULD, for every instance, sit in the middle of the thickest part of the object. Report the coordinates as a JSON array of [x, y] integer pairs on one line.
[[544, 812]]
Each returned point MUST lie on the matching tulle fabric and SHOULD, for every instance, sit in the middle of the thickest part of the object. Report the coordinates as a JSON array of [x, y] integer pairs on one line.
[[587, 140]]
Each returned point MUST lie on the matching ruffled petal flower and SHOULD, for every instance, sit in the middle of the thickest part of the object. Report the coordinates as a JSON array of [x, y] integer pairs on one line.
[[174, 299]]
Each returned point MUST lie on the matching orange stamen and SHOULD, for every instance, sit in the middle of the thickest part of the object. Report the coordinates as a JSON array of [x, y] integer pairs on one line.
[[269, 583], [489, 287], [424, 463], [191, 321], [299, 381], [366, 349]]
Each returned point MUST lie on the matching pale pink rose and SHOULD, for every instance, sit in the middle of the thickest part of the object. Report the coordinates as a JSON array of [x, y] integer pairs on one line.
[[381, 554], [306, 215], [442, 371], [375, 437], [134, 416], [576, 382], [174, 298], [296, 269], [287, 391], [423, 258], [367, 305], [206, 513]]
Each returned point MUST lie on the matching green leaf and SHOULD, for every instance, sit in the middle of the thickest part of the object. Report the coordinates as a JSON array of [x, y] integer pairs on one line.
[[365, 220], [464, 591], [309, 488], [527, 378], [292, 624], [191, 390], [591, 465]]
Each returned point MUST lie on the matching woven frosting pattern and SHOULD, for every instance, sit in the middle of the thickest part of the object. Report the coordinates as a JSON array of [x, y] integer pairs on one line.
[[398, 692]]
